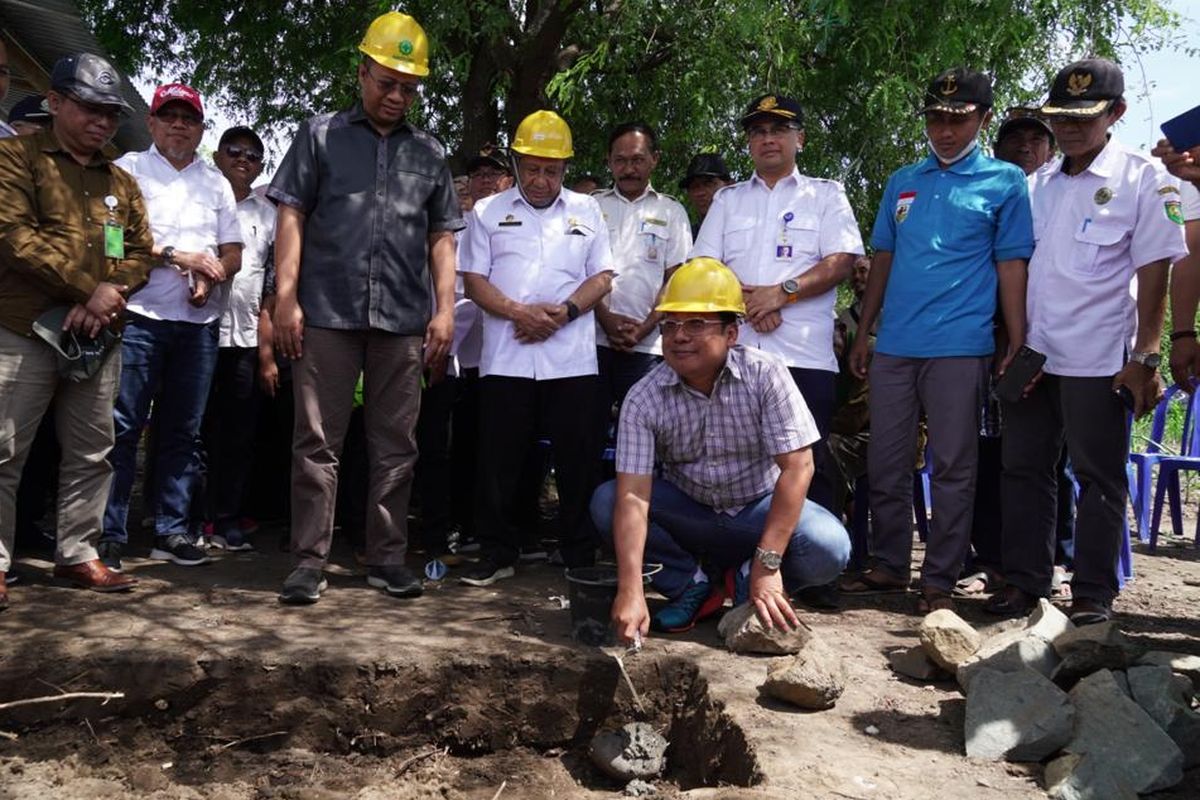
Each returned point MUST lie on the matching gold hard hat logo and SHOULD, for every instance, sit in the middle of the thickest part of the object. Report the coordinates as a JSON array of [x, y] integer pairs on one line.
[[949, 85], [1078, 83], [406, 47], [767, 103]]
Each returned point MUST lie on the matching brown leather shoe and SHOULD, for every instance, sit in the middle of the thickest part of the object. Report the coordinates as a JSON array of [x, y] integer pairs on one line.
[[95, 576], [3, 593]]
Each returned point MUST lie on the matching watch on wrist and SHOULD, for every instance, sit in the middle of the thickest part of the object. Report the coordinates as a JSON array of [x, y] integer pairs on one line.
[[168, 255], [768, 558], [791, 287], [572, 311], [1148, 360]]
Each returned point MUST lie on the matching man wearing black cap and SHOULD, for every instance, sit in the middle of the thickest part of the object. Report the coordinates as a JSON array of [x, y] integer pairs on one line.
[[1102, 217], [791, 240], [31, 115], [706, 173], [1024, 139], [74, 236], [951, 229]]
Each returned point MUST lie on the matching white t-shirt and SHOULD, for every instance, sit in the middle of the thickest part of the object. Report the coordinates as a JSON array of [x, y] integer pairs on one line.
[[239, 323]]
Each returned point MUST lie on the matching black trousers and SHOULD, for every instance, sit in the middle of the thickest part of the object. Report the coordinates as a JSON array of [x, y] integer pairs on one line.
[[434, 475], [513, 412], [818, 387], [464, 449], [229, 427], [986, 519], [1092, 420]]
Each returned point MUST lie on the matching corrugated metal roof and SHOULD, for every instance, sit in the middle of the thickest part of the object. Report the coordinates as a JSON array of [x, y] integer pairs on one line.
[[45, 31]]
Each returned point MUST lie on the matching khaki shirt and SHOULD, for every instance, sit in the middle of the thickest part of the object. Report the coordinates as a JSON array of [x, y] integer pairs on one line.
[[52, 215]]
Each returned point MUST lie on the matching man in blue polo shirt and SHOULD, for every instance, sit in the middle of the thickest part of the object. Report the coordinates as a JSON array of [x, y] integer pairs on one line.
[[950, 229]]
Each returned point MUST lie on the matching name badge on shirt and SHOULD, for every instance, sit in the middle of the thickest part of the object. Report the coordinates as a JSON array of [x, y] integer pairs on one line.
[[114, 240], [783, 246], [651, 247], [509, 221], [903, 203]]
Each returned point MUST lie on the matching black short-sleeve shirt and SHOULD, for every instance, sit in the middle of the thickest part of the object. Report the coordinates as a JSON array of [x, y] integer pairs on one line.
[[370, 203]]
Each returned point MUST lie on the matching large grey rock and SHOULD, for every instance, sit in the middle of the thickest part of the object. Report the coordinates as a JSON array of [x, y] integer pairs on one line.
[[1158, 691], [1073, 777], [1047, 622], [1184, 663], [1121, 742], [1091, 648], [743, 632], [1011, 651], [914, 662], [812, 679], [948, 638], [1018, 716], [632, 751]]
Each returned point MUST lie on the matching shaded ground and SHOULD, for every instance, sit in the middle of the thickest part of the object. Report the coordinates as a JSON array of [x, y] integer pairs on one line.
[[230, 695]]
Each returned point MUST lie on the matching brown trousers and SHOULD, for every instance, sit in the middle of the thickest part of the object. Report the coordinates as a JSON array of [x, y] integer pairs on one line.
[[83, 416], [324, 379]]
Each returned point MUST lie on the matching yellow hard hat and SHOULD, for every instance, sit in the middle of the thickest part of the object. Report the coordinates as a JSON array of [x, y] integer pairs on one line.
[[705, 285], [397, 42], [544, 134]]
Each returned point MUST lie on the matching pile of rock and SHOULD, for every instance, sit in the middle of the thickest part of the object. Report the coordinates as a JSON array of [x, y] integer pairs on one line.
[[1112, 720], [811, 675]]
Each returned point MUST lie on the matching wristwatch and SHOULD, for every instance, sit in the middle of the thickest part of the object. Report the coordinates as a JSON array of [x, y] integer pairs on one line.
[[168, 255], [791, 287], [768, 558], [1148, 360], [572, 311]]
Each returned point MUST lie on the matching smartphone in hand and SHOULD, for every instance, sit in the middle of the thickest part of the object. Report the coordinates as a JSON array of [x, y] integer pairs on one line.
[[1027, 363]]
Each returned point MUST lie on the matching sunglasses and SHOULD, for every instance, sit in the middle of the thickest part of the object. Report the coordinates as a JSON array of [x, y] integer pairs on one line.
[[236, 151], [692, 327]]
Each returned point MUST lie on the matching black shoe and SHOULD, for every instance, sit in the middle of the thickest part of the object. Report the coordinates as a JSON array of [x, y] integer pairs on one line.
[[110, 555], [178, 549], [1085, 611], [485, 573], [824, 598], [13, 577], [1011, 601], [303, 587], [395, 579]]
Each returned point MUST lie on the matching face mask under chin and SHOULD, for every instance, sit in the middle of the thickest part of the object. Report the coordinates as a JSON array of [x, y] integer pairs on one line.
[[961, 154]]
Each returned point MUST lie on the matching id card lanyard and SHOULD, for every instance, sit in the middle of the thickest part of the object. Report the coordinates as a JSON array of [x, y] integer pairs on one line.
[[783, 245], [114, 234]]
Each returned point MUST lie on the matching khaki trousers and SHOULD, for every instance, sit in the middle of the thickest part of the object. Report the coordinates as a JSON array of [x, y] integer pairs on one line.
[[83, 416], [324, 379]]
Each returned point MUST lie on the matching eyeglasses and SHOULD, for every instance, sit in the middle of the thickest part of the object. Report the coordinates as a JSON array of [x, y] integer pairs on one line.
[[97, 110], [387, 86], [692, 327], [756, 132], [235, 151], [171, 117]]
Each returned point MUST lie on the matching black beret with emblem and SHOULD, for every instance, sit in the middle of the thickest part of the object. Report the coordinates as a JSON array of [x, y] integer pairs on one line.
[[90, 78], [1085, 89], [490, 156], [705, 165], [30, 109], [958, 91], [773, 105]]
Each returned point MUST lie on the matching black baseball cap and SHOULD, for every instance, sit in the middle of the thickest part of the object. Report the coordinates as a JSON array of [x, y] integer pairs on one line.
[[1019, 117], [490, 156], [958, 91], [773, 105], [705, 165], [30, 109], [1085, 89], [90, 78], [241, 132]]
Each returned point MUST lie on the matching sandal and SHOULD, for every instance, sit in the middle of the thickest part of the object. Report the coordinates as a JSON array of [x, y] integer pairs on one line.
[[1012, 602], [974, 585], [932, 600], [874, 580], [1060, 584]]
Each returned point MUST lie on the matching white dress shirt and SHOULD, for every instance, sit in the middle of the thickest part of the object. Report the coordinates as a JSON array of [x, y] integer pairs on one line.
[[537, 256], [1191, 200], [647, 235], [193, 210], [1092, 232], [767, 235], [239, 323]]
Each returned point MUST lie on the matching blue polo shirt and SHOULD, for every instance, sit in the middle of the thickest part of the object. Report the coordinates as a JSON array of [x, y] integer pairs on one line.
[[946, 229]]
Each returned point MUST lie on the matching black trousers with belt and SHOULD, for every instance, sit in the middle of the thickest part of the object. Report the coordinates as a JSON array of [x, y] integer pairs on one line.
[[512, 413]]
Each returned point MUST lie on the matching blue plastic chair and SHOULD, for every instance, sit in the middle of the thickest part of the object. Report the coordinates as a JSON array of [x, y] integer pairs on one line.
[[1169, 467], [1141, 465]]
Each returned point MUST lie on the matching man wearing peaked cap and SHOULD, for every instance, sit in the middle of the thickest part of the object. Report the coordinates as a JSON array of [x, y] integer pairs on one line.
[[1102, 216], [952, 231], [1024, 139], [31, 115], [365, 260], [74, 242], [706, 173], [790, 239]]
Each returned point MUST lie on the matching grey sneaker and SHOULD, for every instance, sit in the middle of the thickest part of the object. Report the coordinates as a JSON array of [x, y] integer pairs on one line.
[[303, 587], [179, 549], [395, 579], [110, 555], [485, 573]]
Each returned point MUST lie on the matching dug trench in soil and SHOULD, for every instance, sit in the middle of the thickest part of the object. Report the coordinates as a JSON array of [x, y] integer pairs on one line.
[[457, 727]]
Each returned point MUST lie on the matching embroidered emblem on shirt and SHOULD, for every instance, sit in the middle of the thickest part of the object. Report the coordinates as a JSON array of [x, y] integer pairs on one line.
[[903, 202], [1169, 190], [508, 221], [1078, 83], [949, 85], [1102, 195], [1174, 211]]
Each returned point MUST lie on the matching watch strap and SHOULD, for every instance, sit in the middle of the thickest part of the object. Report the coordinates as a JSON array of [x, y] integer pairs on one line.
[[572, 311]]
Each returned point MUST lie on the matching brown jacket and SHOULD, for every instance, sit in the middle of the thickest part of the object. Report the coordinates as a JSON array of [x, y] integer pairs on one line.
[[52, 215]]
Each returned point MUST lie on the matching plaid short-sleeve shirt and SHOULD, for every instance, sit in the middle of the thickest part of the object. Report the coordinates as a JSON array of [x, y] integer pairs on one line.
[[718, 449]]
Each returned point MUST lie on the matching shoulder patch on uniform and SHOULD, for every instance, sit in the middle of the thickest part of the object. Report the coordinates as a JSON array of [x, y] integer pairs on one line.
[[1168, 190], [1174, 211]]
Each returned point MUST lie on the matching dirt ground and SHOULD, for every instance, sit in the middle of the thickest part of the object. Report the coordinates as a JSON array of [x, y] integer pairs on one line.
[[470, 693]]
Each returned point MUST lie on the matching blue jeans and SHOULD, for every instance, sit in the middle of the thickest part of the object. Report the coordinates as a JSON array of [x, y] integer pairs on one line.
[[683, 532], [169, 363]]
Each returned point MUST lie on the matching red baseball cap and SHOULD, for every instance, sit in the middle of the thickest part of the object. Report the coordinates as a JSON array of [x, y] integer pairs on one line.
[[176, 92]]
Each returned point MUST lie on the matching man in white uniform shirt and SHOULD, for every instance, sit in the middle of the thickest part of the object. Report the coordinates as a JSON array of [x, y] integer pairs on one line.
[[233, 403], [1100, 216], [1185, 275], [791, 240], [536, 260], [650, 236], [169, 349]]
